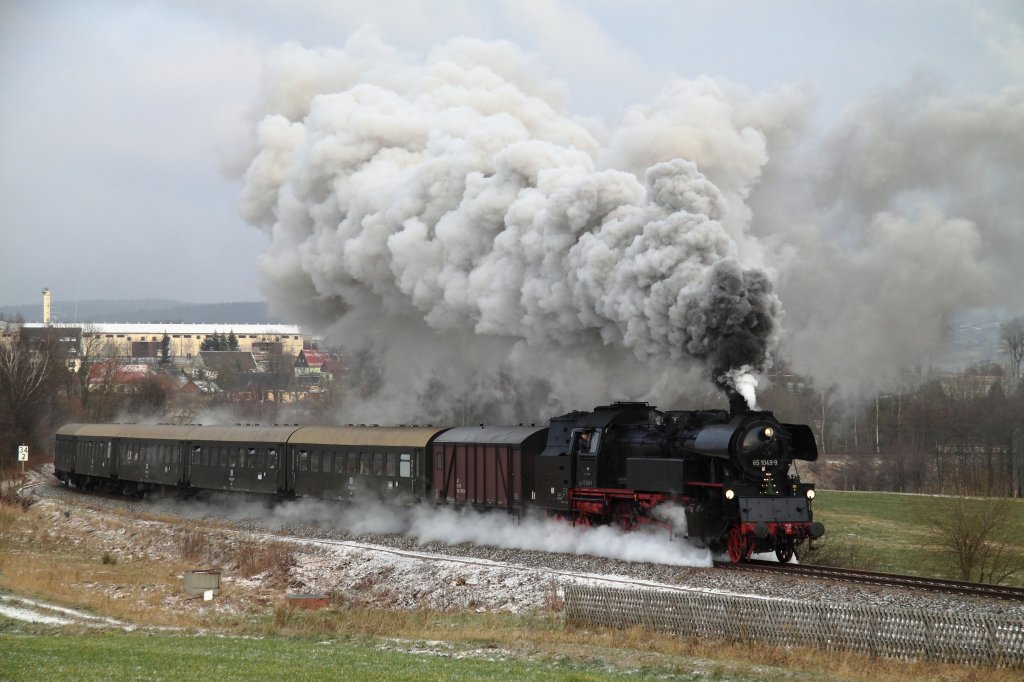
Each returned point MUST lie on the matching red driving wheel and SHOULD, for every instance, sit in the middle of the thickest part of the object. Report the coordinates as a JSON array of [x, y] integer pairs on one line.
[[737, 545]]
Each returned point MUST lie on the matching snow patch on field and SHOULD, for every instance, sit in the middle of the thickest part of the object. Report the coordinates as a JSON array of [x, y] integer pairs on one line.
[[33, 611]]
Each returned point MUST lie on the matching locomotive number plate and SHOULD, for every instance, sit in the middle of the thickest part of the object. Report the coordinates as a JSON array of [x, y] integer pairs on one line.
[[766, 462]]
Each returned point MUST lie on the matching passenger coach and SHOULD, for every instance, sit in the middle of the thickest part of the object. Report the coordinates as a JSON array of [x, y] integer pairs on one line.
[[336, 463]]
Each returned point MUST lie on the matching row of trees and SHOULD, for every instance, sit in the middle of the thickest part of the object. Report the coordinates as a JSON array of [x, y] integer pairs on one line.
[[935, 434], [220, 342]]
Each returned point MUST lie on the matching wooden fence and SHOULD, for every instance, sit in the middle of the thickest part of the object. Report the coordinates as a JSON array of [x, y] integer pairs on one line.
[[953, 637]]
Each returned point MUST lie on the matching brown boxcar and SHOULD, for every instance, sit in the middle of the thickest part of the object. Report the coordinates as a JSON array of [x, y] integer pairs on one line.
[[486, 467]]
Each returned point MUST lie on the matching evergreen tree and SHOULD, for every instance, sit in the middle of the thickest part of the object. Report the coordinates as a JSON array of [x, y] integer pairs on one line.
[[165, 348], [232, 342]]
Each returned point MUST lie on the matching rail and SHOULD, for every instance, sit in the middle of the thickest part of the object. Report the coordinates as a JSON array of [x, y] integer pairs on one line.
[[884, 579]]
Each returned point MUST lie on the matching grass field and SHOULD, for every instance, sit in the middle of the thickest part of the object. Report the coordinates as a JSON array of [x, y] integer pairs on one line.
[[134, 657], [892, 533]]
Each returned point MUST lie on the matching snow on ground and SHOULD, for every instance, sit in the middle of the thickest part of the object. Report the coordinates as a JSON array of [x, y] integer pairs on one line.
[[34, 611]]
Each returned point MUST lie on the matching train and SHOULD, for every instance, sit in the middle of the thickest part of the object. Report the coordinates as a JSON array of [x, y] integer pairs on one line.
[[730, 473]]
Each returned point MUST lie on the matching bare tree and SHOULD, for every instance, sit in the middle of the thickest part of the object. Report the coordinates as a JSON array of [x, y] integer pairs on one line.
[[94, 384], [1011, 335], [27, 376], [977, 533]]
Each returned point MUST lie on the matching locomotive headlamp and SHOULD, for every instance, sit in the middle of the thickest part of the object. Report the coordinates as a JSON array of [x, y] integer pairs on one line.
[[729, 494], [810, 494], [769, 432]]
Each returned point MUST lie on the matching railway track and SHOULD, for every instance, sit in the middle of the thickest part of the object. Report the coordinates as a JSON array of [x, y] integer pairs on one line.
[[881, 579], [42, 484]]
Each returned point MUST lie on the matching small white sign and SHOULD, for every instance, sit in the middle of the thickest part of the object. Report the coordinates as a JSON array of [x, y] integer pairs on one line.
[[22, 453]]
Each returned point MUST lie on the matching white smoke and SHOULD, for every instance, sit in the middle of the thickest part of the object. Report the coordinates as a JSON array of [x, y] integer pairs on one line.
[[447, 209], [745, 382], [905, 215], [429, 524], [454, 191]]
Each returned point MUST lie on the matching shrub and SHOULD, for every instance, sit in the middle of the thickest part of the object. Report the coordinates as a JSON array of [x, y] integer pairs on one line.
[[274, 558]]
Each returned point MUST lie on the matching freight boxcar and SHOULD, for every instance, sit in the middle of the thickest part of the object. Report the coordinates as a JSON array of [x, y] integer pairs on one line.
[[486, 467]]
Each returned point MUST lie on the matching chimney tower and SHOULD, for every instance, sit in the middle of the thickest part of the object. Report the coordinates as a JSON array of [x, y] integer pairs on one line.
[[46, 307]]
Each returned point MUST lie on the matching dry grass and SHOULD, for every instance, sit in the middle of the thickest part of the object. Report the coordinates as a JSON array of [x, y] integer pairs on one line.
[[9, 493], [536, 635], [195, 545], [41, 557], [274, 559]]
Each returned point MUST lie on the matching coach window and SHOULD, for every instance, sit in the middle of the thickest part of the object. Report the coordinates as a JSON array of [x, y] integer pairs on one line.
[[365, 463], [378, 464], [222, 456], [314, 461], [405, 466], [251, 453], [392, 469], [272, 462], [339, 462], [303, 460]]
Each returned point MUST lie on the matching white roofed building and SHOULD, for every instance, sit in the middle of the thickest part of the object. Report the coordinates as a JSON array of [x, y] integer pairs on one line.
[[143, 340]]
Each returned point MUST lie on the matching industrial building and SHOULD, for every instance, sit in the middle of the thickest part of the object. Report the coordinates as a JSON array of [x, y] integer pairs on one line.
[[145, 340]]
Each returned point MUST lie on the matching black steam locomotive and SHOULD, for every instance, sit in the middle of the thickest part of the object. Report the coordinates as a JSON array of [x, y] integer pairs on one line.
[[729, 472], [732, 472]]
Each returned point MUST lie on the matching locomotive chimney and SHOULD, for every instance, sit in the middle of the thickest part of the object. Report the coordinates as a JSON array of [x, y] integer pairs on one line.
[[737, 404], [46, 307]]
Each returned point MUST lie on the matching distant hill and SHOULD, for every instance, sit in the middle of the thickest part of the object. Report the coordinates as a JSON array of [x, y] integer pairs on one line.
[[145, 310]]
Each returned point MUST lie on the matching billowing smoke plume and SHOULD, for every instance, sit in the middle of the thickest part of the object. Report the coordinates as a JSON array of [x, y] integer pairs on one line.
[[454, 193], [905, 215], [476, 245]]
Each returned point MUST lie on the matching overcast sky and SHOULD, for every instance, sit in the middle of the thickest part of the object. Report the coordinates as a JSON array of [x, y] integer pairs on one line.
[[123, 124]]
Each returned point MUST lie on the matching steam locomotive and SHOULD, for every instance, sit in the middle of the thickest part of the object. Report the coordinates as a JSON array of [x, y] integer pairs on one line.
[[730, 472]]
